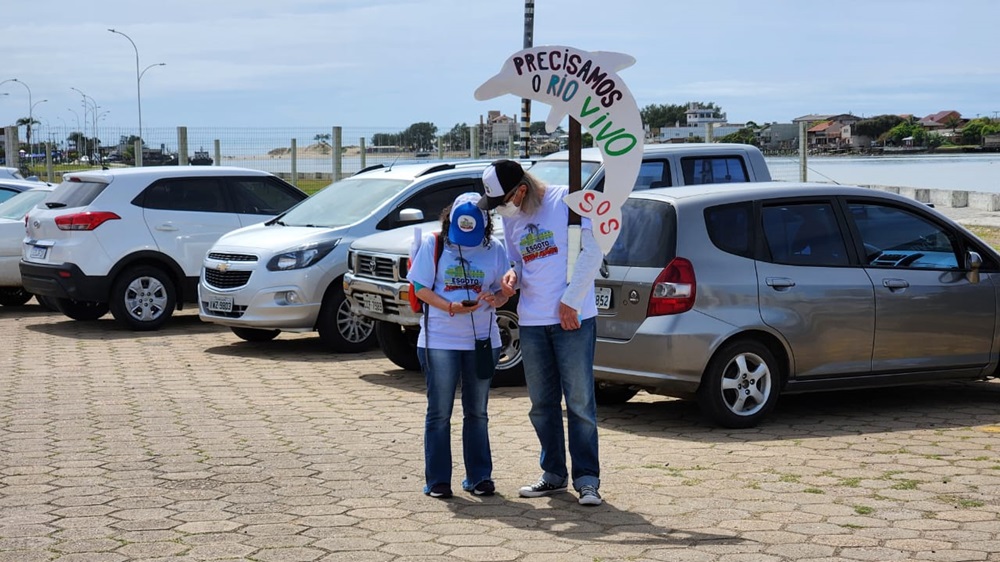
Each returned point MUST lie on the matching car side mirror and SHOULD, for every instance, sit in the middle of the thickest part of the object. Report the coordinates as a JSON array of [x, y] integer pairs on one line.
[[411, 215], [973, 261]]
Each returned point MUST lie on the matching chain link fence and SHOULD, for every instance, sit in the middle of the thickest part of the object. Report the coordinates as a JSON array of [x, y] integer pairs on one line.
[[298, 152]]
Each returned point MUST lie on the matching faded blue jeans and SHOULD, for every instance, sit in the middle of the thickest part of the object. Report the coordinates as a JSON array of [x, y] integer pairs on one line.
[[443, 373], [560, 363]]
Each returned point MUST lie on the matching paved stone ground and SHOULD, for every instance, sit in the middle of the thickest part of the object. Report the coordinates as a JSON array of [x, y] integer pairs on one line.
[[188, 444]]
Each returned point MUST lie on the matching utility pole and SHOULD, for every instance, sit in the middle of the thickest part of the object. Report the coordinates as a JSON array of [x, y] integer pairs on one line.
[[529, 39]]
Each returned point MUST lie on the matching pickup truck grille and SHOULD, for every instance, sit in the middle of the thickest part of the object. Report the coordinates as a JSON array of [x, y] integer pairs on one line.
[[378, 267]]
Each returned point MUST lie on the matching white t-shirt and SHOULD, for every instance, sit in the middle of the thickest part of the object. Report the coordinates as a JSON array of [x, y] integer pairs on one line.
[[539, 242], [483, 270]]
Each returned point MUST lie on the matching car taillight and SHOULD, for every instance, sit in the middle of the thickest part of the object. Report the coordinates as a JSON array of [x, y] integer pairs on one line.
[[85, 221], [673, 290]]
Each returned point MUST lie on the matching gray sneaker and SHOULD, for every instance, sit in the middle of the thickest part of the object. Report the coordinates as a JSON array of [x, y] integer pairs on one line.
[[590, 496], [541, 488]]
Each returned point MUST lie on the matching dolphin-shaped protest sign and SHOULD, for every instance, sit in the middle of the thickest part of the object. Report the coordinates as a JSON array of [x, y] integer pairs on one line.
[[585, 86]]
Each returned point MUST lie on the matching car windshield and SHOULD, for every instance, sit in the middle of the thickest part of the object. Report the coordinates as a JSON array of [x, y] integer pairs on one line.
[[16, 207], [556, 172], [344, 202]]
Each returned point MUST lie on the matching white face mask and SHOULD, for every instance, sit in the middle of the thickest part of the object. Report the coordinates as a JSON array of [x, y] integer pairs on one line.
[[508, 210]]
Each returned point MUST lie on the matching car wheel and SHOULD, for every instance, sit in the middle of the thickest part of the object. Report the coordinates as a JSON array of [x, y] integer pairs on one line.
[[510, 368], [14, 296], [398, 344], [608, 394], [740, 386], [255, 334], [81, 310], [142, 298], [341, 329]]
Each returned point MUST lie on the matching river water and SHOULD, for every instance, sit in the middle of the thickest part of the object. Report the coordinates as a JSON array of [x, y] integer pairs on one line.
[[979, 172], [968, 172]]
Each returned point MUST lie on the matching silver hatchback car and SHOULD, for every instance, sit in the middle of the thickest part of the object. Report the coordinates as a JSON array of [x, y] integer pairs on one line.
[[734, 294]]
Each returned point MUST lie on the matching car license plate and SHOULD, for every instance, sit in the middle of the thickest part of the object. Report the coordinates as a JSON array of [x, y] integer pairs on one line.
[[220, 304], [37, 252], [372, 303], [603, 297]]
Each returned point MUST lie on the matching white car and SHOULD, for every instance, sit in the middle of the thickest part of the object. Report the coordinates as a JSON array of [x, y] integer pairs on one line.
[[8, 173], [12, 213], [287, 274], [132, 240]]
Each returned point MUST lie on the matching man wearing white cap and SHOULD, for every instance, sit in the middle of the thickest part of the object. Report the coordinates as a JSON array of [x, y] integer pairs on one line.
[[557, 323]]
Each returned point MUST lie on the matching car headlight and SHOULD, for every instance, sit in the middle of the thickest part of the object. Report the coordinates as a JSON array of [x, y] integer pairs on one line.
[[301, 256]]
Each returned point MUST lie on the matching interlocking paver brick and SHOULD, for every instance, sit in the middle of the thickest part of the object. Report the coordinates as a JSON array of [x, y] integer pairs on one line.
[[188, 445]]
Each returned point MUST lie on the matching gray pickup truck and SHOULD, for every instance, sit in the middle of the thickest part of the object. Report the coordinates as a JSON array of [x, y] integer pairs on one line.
[[376, 282]]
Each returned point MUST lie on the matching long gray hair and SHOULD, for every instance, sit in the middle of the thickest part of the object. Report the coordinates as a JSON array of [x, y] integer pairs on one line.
[[534, 195]]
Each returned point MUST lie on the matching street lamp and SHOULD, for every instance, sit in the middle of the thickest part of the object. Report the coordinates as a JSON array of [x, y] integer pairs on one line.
[[138, 78], [76, 140], [29, 106], [30, 119]]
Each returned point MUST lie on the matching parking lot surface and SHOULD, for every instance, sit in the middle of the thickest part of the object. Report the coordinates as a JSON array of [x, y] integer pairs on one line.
[[189, 444]]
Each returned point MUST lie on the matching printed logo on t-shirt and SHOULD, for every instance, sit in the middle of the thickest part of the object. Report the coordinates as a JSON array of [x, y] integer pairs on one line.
[[537, 243], [463, 275]]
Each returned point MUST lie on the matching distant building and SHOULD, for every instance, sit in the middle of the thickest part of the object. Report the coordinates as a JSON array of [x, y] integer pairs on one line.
[[500, 130], [699, 119], [830, 132], [779, 136], [941, 120]]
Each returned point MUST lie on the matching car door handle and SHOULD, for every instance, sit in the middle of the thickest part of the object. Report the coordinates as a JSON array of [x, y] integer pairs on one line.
[[893, 284], [779, 283], [166, 227]]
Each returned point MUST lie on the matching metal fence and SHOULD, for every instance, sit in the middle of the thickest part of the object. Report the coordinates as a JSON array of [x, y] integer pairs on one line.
[[292, 153]]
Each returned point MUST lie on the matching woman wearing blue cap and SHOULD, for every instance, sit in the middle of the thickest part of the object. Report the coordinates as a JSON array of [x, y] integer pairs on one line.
[[459, 340]]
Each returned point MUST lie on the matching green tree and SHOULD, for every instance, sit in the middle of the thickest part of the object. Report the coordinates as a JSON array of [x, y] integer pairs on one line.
[[323, 138], [419, 136], [537, 128], [974, 131], [386, 139], [457, 138], [746, 135], [876, 127], [27, 122], [664, 115]]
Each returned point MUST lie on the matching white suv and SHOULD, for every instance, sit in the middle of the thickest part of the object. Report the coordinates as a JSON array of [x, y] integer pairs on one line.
[[133, 239], [287, 274]]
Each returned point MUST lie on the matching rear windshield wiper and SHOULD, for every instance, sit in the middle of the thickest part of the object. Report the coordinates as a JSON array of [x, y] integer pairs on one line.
[[55, 205]]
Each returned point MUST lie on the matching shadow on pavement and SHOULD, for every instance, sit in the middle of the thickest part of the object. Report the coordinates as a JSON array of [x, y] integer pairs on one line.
[[106, 328], [301, 350], [561, 516], [824, 414]]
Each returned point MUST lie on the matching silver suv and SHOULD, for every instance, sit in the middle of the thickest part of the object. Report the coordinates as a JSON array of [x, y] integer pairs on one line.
[[376, 282], [736, 294], [287, 274]]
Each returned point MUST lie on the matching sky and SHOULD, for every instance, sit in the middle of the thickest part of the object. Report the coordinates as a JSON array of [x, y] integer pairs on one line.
[[391, 63]]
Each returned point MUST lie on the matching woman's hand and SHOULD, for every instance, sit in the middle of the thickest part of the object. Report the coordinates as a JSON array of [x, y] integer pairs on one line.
[[496, 300], [459, 308], [508, 286]]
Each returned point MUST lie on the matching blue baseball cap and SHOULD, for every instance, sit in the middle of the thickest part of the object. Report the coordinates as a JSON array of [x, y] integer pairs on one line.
[[467, 221]]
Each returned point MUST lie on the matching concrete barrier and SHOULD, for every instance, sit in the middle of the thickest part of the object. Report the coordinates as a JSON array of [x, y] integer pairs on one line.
[[954, 198]]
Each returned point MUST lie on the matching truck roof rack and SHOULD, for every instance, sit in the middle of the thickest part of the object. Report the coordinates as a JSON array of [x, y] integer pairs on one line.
[[369, 168]]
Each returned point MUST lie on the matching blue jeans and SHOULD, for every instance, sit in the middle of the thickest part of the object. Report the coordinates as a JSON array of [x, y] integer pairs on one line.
[[560, 363], [443, 372]]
